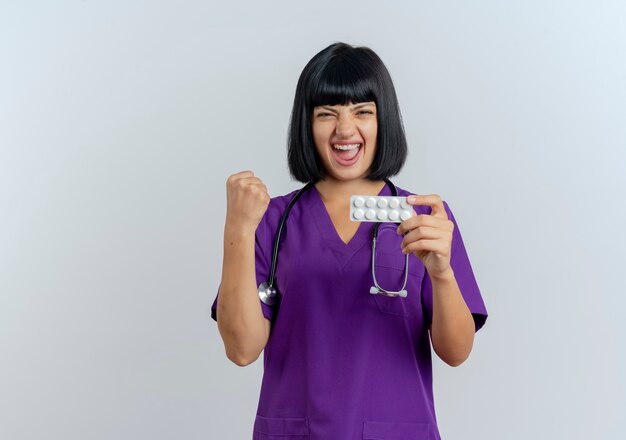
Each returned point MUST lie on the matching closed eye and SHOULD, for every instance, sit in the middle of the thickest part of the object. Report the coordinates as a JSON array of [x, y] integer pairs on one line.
[[324, 114]]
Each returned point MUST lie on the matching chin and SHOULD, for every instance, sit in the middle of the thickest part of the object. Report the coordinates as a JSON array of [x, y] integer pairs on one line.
[[347, 175]]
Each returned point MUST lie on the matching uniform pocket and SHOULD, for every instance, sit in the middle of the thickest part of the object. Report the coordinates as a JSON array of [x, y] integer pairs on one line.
[[390, 305], [273, 428], [390, 276], [395, 431]]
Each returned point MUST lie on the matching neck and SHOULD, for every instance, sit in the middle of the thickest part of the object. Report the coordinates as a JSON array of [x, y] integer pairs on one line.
[[340, 190]]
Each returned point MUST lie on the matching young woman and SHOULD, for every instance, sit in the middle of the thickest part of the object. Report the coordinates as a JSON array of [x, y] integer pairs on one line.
[[340, 362]]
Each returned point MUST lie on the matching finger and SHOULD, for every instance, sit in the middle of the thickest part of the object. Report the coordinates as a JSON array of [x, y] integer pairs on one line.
[[434, 245], [263, 188], [416, 221], [233, 178], [432, 200], [244, 173], [259, 185], [250, 181], [421, 233], [256, 191]]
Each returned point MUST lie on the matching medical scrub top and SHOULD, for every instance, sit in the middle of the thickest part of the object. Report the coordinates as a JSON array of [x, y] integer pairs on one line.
[[342, 363]]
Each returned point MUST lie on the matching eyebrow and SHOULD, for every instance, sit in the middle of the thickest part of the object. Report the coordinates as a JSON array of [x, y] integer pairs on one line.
[[357, 106]]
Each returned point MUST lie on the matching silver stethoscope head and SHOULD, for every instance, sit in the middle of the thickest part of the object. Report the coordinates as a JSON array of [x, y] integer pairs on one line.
[[268, 294]]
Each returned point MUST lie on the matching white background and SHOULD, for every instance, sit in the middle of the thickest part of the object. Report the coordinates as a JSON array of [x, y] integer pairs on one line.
[[120, 122]]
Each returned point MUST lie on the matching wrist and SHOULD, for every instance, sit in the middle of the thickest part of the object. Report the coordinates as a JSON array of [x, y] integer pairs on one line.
[[443, 277], [235, 233]]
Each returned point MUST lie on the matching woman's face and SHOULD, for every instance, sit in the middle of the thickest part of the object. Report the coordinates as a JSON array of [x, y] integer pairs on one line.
[[345, 138]]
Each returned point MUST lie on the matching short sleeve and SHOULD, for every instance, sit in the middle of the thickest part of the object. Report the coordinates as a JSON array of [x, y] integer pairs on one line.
[[262, 255], [460, 263]]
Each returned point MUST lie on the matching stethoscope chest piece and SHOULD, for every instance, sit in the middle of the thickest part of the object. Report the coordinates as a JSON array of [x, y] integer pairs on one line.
[[268, 294]]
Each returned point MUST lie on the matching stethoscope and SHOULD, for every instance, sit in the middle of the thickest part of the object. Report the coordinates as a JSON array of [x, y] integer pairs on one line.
[[267, 290]]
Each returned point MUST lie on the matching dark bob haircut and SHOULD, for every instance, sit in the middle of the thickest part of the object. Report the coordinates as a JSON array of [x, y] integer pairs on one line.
[[338, 75]]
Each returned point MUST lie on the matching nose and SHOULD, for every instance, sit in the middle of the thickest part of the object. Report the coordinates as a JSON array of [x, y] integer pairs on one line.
[[345, 127]]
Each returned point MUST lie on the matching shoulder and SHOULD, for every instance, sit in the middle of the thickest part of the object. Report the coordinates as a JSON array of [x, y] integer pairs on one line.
[[266, 230], [277, 206]]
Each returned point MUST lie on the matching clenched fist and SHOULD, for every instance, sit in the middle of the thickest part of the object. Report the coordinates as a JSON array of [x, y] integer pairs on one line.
[[247, 200]]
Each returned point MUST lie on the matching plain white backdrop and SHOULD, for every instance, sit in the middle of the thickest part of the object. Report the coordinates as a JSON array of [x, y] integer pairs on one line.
[[120, 122]]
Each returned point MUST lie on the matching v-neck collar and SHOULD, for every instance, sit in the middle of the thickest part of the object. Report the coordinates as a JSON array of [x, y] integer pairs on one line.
[[343, 251]]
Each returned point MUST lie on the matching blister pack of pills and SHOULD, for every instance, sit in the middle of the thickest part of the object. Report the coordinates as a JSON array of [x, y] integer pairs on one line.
[[380, 209]]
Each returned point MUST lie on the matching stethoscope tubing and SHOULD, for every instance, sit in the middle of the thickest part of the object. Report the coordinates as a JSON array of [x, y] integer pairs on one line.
[[269, 293], [281, 225]]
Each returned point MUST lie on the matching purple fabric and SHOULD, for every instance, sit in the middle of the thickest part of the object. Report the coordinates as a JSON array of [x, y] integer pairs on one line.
[[340, 362]]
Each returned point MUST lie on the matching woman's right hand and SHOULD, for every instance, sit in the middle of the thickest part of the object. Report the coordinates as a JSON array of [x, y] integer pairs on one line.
[[247, 200]]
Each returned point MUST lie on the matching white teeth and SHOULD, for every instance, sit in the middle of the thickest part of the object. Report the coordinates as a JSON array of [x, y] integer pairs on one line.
[[346, 147]]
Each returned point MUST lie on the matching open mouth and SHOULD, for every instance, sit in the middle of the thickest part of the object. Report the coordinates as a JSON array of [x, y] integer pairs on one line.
[[346, 154]]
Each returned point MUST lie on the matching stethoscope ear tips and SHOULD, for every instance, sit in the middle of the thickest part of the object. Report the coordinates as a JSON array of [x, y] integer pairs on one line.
[[268, 294]]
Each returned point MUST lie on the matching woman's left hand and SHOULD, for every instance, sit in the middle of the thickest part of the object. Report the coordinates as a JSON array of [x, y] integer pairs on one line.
[[429, 236]]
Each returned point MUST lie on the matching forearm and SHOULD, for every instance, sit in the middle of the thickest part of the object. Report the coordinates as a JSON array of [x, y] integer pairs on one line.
[[239, 316], [452, 329]]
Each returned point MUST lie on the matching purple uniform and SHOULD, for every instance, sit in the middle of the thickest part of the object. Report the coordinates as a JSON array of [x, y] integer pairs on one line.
[[341, 363]]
